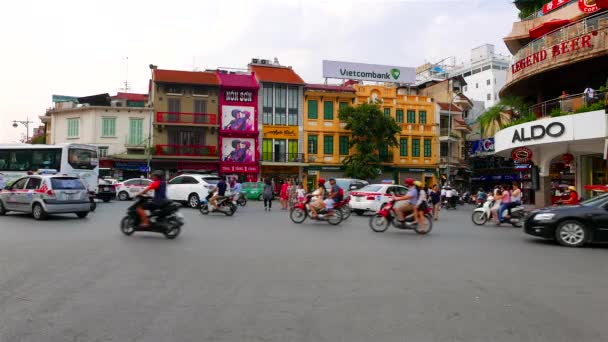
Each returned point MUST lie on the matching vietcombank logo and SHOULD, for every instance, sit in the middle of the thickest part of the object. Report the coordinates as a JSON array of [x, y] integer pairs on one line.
[[394, 73]]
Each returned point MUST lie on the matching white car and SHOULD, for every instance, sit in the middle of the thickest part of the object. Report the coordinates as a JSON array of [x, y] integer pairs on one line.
[[190, 188], [372, 197], [131, 187]]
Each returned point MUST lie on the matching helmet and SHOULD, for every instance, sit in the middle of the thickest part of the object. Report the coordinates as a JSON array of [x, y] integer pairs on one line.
[[322, 181], [409, 182], [571, 188], [418, 183]]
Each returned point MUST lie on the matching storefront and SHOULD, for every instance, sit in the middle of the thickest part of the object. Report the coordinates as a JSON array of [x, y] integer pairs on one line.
[[280, 157], [562, 151], [123, 169]]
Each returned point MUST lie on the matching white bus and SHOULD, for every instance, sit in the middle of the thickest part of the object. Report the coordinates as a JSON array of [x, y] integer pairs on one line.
[[69, 159]]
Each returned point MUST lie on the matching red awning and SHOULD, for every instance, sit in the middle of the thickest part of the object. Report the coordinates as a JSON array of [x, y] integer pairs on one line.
[[547, 27], [601, 3]]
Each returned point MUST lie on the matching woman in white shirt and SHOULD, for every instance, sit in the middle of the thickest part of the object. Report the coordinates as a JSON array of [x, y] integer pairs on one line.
[[421, 206]]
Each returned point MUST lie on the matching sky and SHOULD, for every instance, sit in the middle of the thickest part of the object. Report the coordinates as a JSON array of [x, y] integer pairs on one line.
[[82, 48]]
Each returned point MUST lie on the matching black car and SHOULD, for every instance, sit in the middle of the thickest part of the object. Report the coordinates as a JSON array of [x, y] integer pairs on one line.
[[106, 191], [571, 226]]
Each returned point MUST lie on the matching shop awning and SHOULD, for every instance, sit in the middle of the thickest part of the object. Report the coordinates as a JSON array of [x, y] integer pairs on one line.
[[546, 27]]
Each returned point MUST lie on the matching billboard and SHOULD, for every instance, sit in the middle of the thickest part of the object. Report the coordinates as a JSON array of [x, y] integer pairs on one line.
[[369, 72], [238, 150], [483, 146], [238, 118]]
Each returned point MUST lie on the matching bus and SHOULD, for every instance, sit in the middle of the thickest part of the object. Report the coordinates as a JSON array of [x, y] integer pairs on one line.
[[66, 159]]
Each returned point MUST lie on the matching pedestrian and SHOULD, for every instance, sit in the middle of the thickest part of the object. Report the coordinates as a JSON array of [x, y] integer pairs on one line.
[[300, 192], [435, 196], [268, 194], [589, 95], [444, 193], [421, 206], [449, 193], [284, 195]]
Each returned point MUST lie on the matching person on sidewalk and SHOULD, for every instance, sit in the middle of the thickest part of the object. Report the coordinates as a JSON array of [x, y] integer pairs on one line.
[[267, 194]]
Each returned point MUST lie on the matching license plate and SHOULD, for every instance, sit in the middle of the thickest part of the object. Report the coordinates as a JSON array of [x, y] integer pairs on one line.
[[357, 199]]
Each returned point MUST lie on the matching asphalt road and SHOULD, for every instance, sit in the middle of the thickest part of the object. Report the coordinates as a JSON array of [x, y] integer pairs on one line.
[[258, 277]]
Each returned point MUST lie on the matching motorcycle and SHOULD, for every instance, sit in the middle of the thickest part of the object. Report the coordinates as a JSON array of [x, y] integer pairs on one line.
[[482, 215], [450, 202], [166, 220], [241, 200], [302, 210], [344, 207], [225, 205], [92, 197], [387, 216]]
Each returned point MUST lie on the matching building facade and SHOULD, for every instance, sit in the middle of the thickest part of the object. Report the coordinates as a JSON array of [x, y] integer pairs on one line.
[[281, 108], [186, 121]]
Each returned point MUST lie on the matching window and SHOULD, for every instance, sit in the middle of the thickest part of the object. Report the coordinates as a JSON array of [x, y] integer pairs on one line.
[[422, 117], [108, 127], [81, 158], [443, 149], [343, 145], [400, 115], [200, 106], [387, 111], [313, 109], [103, 151], [476, 71], [267, 104], [173, 89], [328, 144], [313, 142], [73, 125], [343, 105], [266, 149], [20, 184], [486, 67], [466, 74], [174, 107], [488, 82], [280, 109], [136, 131], [176, 180], [189, 180], [415, 147], [489, 97], [33, 184], [427, 148], [292, 110], [200, 91], [403, 147], [477, 85], [30, 160], [292, 150], [328, 110], [411, 116]]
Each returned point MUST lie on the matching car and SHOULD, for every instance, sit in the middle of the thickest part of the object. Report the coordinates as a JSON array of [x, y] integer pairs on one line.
[[191, 188], [373, 197], [572, 225], [131, 187], [42, 195], [350, 184], [106, 190], [253, 190]]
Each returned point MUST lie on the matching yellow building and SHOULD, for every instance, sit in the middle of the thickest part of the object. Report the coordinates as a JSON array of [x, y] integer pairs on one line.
[[327, 140]]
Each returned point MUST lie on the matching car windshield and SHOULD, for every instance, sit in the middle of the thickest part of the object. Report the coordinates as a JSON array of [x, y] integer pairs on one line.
[[67, 184], [371, 188], [596, 201], [212, 180]]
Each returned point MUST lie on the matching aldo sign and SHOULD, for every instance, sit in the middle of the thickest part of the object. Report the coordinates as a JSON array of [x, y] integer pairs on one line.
[[537, 132]]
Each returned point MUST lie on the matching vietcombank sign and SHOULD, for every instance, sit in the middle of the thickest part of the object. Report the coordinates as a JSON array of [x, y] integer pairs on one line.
[[368, 72]]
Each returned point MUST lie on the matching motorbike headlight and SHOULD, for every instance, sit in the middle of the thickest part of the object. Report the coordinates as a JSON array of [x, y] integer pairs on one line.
[[544, 217]]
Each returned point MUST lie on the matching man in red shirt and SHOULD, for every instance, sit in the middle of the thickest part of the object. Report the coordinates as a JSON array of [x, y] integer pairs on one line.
[[573, 199], [160, 196]]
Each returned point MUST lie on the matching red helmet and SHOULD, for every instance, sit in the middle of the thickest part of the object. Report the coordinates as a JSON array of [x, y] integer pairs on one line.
[[409, 182], [322, 181]]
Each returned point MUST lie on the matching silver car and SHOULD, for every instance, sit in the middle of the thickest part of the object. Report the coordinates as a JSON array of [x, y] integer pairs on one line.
[[42, 195]]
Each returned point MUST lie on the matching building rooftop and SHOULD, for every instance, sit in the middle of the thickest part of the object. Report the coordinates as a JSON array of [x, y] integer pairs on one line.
[[276, 74], [237, 80], [186, 77], [131, 97], [326, 87], [446, 107]]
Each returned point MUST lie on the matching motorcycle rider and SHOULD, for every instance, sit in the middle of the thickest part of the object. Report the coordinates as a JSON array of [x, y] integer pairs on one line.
[[334, 195], [405, 204], [219, 192], [319, 195], [160, 197]]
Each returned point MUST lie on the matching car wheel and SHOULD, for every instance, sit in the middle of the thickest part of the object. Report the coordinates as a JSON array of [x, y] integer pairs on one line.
[[123, 196], [571, 234], [359, 212], [82, 214], [193, 201], [38, 212], [2, 209]]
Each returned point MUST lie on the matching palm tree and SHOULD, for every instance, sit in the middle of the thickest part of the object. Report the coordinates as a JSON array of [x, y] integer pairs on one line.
[[493, 120]]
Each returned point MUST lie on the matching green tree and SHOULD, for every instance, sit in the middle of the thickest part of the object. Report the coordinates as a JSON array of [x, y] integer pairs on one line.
[[500, 115], [372, 131]]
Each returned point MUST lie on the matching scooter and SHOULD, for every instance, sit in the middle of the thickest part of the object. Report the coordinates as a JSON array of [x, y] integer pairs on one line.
[[387, 216], [344, 207], [482, 215], [166, 220], [302, 210], [241, 200], [225, 205]]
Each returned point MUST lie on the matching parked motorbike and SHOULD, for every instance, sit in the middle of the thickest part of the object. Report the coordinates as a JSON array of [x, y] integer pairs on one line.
[[302, 210], [225, 205], [482, 215], [166, 220], [92, 198], [387, 216]]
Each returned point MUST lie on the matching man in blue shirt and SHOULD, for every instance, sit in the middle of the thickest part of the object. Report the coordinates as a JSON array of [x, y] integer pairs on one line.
[[405, 204], [220, 191]]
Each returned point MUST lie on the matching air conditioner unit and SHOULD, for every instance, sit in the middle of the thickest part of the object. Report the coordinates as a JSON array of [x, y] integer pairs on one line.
[[263, 61], [255, 60]]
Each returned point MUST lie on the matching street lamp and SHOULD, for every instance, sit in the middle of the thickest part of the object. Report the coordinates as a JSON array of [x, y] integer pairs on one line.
[[25, 123], [458, 99]]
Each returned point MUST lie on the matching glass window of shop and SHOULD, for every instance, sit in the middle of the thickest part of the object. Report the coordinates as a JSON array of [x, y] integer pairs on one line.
[[562, 176], [267, 104], [292, 106], [267, 149], [292, 147], [594, 172], [313, 143], [280, 99]]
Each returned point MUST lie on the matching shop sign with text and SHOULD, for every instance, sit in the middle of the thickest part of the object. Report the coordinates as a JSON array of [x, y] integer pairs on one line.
[[537, 132], [563, 48], [239, 168], [588, 6], [553, 5], [521, 155], [245, 96], [280, 132], [369, 72]]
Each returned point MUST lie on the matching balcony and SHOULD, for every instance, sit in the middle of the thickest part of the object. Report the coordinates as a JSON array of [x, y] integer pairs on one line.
[[191, 151], [285, 157], [179, 118], [578, 103]]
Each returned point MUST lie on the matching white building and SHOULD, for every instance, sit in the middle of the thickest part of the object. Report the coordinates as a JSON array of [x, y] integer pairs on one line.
[[485, 74]]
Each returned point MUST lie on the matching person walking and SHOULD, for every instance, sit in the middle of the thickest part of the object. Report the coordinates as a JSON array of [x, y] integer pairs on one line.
[[421, 206], [435, 196], [267, 194], [284, 194]]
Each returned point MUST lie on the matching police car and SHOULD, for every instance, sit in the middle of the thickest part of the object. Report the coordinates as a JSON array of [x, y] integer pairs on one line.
[[373, 197]]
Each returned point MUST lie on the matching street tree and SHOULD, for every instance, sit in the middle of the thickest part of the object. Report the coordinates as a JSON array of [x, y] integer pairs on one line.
[[372, 132]]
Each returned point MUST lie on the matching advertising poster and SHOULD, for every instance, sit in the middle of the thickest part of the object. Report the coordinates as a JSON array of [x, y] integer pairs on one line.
[[238, 150], [238, 118]]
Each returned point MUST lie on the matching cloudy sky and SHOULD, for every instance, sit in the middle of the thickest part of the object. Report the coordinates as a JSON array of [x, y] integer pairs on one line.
[[80, 47]]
